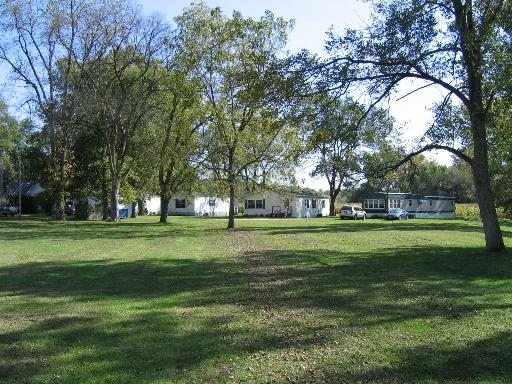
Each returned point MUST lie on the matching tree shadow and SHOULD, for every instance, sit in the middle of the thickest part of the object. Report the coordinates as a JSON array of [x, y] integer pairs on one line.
[[482, 361], [89, 230], [153, 319], [372, 287], [296, 226]]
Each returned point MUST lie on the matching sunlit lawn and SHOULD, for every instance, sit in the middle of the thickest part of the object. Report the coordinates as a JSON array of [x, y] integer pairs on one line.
[[277, 300]]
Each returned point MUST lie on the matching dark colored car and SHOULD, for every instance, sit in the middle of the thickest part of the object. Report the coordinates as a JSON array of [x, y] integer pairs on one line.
[[69, 209], [352, 212], [396, 214], [8, 209]]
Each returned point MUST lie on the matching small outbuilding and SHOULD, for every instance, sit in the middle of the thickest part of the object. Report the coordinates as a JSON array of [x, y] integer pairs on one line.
[[378, 203]]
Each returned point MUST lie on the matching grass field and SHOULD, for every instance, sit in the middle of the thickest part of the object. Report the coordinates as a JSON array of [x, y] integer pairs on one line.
[[275, 301]]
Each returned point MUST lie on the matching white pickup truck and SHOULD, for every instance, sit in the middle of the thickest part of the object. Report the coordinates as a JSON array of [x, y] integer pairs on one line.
[[8, 209]]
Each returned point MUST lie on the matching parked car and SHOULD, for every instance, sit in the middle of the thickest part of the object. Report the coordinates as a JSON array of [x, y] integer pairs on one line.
[[396, 214], [352, 212], [8, 209], [70, 209]]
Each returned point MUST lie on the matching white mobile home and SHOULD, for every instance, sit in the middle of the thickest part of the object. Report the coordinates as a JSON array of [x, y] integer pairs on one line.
[[378, 203], [199, 205], [286, 204]]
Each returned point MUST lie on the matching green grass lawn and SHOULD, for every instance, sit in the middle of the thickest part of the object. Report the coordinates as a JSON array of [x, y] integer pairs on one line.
[[275, 301]]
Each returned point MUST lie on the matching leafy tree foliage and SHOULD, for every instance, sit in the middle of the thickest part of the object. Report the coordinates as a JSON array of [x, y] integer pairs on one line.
[[340, 132], [501, 152], [423, 176], [35, 44], [119, 81], [9, 135], [176, 129]]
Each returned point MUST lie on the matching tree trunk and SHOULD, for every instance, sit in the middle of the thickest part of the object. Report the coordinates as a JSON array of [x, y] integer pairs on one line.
[[232, 202], [140, 205], [135, 208], [231, 182], [104, 188], [164, 206], [333, 194], [480, 167], [114, 199], [104, 203], [61, 192], [332, 209]]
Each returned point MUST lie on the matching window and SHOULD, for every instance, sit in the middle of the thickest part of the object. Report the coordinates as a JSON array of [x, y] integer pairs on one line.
[[430, 202], [323, 204], [313, 203], [410, 203], [255, 204], [373, 204], [211, 202], [394, 203], [181, 203], [306, 203]]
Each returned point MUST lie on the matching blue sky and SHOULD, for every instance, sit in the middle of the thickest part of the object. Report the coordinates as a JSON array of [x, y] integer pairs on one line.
[[312, 18]]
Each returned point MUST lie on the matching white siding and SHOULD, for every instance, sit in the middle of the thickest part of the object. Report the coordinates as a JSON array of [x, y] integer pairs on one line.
[[294, 205], [201, 205], [211, 206]]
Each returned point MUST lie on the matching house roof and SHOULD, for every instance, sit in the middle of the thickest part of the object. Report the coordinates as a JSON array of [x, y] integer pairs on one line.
[[26, 188], [289, 192], [405, 196]]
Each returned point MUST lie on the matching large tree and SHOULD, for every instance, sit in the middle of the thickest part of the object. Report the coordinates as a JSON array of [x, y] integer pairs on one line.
[[36, 44], [339, 134], [9, 137], [176, 124], [445, 43], [235, 58], [120, 79]]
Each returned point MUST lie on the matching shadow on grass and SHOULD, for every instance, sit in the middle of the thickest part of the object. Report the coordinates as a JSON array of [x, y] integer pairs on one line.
[[382, 286], [149, 320], [488, 360], [28, 228], [295, 226]]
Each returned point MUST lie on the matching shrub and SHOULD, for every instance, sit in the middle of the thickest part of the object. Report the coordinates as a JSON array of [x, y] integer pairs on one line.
[[469, 212]]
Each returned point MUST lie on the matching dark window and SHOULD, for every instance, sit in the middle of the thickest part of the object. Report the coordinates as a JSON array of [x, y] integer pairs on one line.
[[211, 202], [306, 203], [260, 204], [250, 204], [180, 203], [410, 203]]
